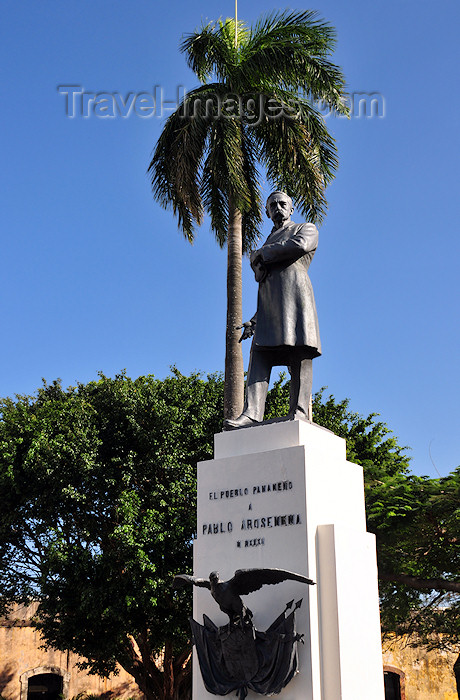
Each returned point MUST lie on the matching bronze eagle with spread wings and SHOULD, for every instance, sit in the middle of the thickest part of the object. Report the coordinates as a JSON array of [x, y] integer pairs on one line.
[[227, 593]]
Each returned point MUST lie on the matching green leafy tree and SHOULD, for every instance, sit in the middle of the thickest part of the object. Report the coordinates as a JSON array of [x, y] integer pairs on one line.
[[417, 524], [256, 105], [416, 521], [98, 493]]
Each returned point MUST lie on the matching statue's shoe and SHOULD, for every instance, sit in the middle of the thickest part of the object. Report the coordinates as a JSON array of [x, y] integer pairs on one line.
[[243, 421], [298, 415]]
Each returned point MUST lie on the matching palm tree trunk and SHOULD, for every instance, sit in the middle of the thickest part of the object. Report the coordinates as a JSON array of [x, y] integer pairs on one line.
[[234, 371]]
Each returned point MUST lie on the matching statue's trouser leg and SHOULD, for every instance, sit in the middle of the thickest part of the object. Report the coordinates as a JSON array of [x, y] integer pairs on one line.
[[301, 384], [260, 365]]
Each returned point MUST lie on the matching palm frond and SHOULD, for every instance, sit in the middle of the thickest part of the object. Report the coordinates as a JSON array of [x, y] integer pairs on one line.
[[227, 31], [175, 168], [213, 185], [251, 216], [318, 137], [230, 166], [211, 50], [295, 27], [215, 200], [299, 156], [290, 50]]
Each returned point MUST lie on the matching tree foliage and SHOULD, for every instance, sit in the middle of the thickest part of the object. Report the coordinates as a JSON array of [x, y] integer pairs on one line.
[[416, 521], [97, 485]]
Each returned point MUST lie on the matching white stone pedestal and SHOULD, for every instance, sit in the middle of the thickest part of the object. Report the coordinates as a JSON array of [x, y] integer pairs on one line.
[[284, 496]]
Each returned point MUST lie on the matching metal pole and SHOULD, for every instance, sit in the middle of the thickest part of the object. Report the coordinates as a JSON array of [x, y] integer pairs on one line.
[[236, 23]]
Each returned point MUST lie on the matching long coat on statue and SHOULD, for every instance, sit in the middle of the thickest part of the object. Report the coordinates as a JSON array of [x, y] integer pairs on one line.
[[286, 310]]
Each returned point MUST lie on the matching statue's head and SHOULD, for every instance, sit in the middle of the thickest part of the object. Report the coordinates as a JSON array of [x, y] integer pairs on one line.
[[214, 576], [279, 208]]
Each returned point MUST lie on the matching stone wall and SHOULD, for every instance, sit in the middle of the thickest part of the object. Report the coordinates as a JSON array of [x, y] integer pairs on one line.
[[424, 675], [21, 658], [427, 675]]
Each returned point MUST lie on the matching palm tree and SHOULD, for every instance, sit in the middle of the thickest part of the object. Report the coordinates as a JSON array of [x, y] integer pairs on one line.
[[256, 105]]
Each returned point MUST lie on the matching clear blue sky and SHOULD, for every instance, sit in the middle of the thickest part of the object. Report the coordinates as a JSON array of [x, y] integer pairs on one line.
[[95, 276]]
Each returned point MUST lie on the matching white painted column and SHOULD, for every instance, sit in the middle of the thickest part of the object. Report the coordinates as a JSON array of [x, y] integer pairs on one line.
[[350, 623]]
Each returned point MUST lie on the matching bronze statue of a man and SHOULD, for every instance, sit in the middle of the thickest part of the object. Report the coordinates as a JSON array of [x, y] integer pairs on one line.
[[285, 328]]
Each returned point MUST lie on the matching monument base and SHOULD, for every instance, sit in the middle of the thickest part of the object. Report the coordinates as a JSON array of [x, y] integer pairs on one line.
[[284, 496]]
